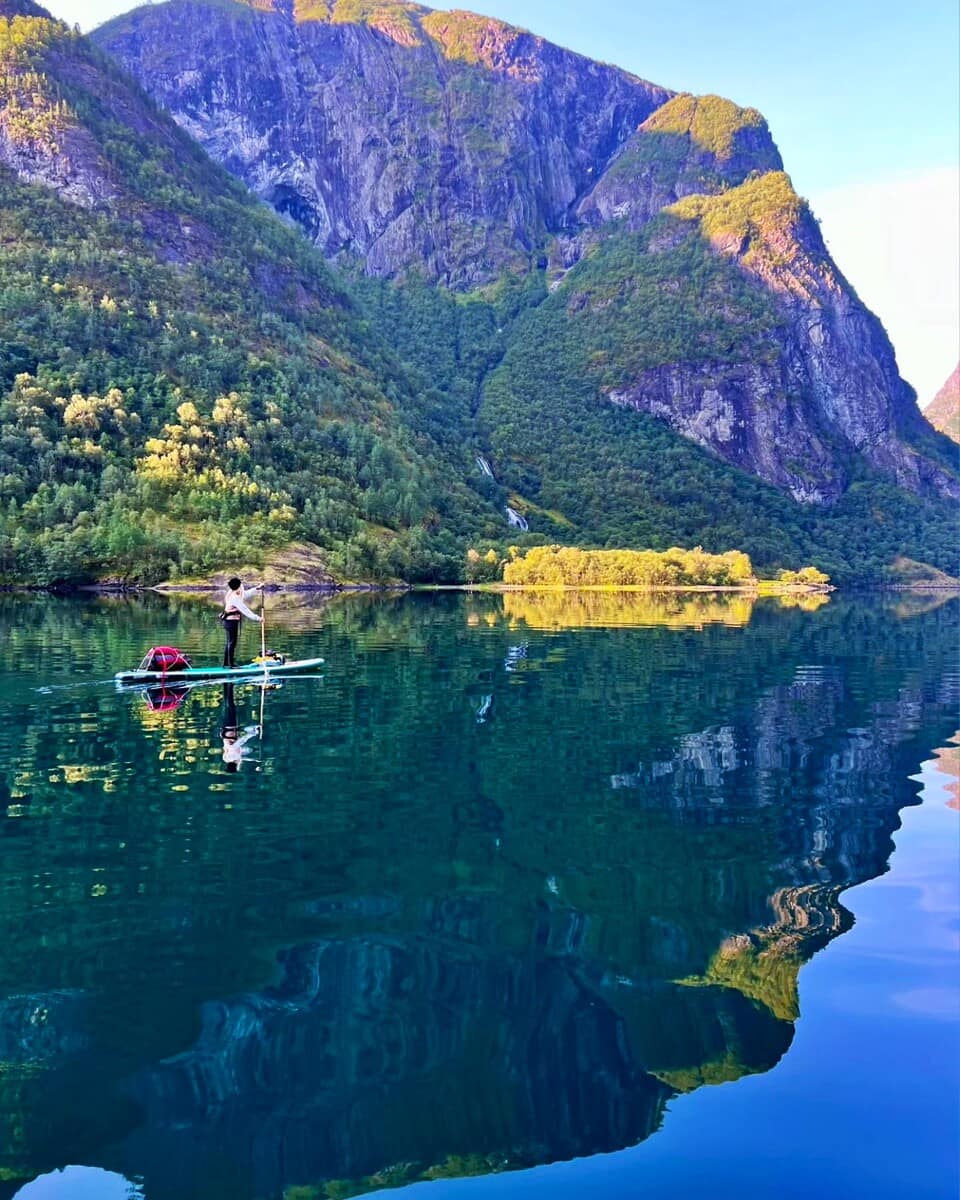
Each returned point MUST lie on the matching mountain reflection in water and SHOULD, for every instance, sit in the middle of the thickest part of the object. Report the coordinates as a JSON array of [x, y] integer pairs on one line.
[[407, 942]]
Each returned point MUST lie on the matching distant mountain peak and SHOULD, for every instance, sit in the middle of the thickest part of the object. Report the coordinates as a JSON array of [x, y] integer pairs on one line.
[[459, 35], [943, 411]]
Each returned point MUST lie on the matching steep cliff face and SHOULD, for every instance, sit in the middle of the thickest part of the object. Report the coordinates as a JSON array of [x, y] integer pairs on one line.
[[441, 141], [691, 144], [41, 140], [827, 387]]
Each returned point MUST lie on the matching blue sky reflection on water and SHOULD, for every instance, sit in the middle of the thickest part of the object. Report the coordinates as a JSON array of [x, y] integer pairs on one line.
[[869, 1090], [80, 1183]]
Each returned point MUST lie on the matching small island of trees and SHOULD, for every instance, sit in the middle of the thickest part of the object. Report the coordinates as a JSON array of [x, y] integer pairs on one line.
[[570, 567]]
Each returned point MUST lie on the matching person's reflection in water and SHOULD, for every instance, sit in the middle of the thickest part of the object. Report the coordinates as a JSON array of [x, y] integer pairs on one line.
[[234, 741]]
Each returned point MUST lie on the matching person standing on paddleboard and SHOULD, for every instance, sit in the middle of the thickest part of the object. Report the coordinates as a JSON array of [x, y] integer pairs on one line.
[[234, 610]]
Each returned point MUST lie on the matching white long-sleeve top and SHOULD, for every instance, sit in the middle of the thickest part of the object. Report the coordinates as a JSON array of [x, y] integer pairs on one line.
[[234, 602]]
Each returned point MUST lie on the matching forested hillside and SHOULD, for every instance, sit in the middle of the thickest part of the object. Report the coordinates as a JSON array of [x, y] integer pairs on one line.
[[183, 383], [645, 326], [586, 471]]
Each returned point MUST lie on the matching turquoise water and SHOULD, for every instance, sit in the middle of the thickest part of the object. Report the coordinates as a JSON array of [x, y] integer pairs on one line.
[[558, 896]]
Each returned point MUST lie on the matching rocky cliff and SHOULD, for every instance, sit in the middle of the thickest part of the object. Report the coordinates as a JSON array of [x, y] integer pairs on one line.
[[826, 384], [441, 141]]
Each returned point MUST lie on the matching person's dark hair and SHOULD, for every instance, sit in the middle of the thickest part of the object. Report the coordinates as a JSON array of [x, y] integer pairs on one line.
[[234, 583], [231, 767]]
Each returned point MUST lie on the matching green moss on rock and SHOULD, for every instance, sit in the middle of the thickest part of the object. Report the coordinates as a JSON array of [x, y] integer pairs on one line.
[[757, 207], [712, 122], [466, 37]]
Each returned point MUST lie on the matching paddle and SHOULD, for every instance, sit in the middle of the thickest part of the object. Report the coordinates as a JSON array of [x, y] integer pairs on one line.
[[263, 660], [263, 623]]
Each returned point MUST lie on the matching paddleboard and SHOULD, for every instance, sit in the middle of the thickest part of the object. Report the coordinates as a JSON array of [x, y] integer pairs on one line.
[[244, 671]]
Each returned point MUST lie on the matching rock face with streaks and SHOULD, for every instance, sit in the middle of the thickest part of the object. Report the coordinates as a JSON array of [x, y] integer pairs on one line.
[[41, 141], [444, 142]]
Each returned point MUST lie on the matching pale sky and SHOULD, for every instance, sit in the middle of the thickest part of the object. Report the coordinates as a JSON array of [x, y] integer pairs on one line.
[[862, 98]]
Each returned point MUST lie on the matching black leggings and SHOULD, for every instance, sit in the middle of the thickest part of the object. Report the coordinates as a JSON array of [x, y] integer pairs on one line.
[[232, 631], [231, 726]]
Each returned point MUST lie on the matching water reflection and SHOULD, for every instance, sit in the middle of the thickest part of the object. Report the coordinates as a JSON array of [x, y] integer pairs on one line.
[[605, 609], [80, 1183], [496, 892], [165, 697], [236, 738], [948, 763]]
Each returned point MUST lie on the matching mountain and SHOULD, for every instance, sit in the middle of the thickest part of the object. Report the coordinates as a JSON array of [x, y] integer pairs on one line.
[[943, 411], [672, 269], [604, 292], [447, 142]]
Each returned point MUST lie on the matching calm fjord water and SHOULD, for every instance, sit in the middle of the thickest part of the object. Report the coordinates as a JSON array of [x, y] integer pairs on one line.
[[517, 881]]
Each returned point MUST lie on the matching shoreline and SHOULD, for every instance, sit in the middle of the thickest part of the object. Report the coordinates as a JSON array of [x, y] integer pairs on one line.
[[766, 588]]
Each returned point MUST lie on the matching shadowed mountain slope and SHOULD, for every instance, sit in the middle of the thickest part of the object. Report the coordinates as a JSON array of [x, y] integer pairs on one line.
[[446, 142]]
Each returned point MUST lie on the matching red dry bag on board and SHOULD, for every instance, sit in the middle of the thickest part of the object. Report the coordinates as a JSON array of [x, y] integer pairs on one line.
[[163, 659]]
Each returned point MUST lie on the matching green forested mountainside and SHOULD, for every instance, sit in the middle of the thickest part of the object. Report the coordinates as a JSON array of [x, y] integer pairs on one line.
[[182, 383], [663, 298], [584, 471], [185, 384]]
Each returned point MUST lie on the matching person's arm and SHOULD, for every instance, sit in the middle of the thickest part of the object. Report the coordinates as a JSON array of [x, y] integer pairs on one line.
[[251, 732]]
